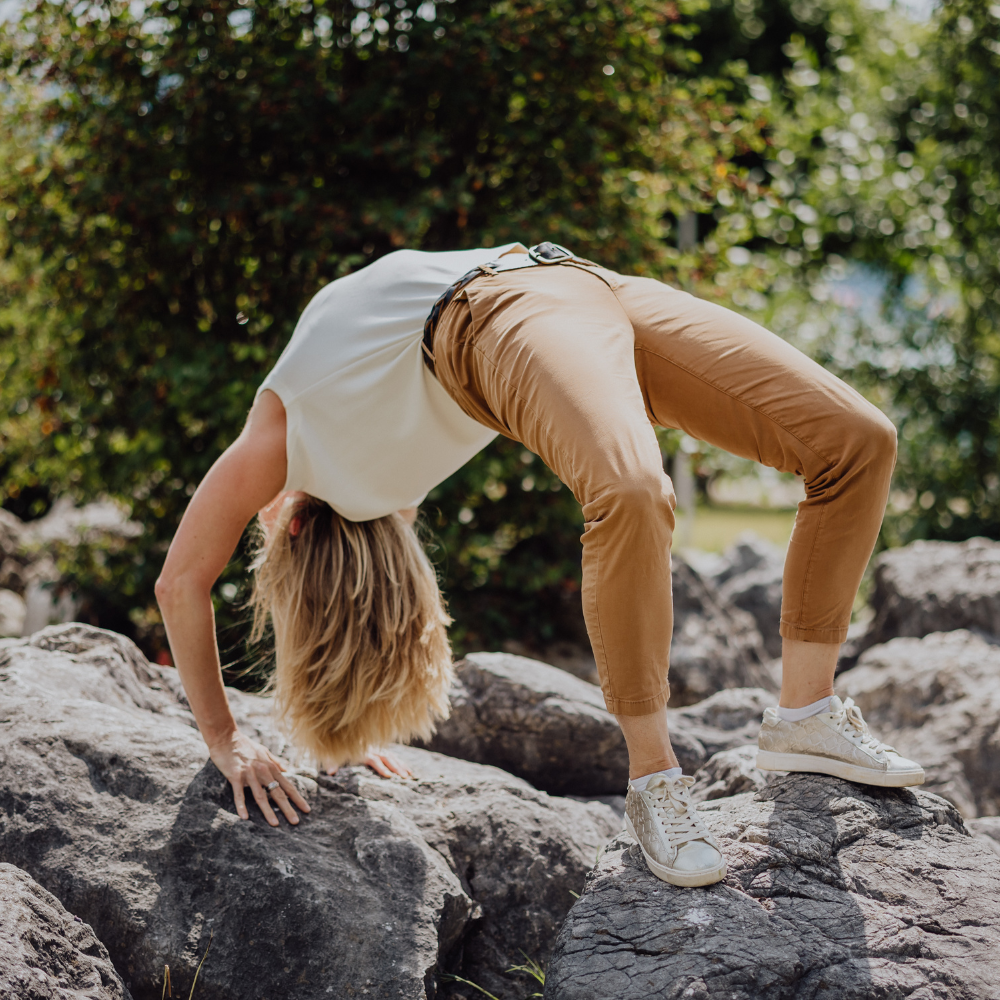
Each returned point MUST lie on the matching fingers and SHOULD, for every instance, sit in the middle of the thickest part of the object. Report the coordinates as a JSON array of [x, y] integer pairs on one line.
[[386, 765], [260, 797], [281, 801], [396, 765], [240, 800], [293, 793], [374, 761]]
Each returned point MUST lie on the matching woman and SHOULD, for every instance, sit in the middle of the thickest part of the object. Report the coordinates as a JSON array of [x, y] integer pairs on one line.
[[363, 414]]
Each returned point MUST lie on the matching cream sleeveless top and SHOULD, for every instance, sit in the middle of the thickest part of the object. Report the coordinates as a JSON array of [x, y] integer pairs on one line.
[[370, 430]]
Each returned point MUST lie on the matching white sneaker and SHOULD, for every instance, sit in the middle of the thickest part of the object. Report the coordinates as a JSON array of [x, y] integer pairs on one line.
[[836, 742], [674, 839]]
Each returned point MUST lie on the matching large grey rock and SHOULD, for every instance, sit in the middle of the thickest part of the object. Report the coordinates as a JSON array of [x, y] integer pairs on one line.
[[834, 890], [715, 644], [730, 718], [987, 829], [935, 587], [937, 700], [728, 773], [750, 579], [520, 854], [108, 800], [553, 730], [47, 953]]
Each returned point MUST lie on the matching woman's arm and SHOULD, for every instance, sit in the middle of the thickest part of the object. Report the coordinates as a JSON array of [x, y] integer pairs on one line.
[[245, 478]]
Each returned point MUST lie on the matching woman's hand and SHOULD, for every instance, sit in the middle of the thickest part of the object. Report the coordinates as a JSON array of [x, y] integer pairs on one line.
[[244, 762], [383, 764]]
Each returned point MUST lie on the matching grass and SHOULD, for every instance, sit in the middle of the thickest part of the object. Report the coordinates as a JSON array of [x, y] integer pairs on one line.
[[168, 990], [714, 529], [531, 967]]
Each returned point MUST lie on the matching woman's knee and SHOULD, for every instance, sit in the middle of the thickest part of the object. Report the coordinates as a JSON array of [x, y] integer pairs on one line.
[[869, 439], [643, 492]]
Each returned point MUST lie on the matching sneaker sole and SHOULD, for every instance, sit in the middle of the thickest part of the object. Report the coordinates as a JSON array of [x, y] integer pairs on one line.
[[767, 760], [704, 876]]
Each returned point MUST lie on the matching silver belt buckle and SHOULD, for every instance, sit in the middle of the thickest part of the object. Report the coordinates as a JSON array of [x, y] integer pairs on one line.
[[549, 253]]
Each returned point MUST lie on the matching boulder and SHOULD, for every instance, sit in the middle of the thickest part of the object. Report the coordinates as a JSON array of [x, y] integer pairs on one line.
[[730, 718], [553, 730], [47, 953], [929, 587], [987, 829], [750, 579], [715, 644], [730, 772], [12, 613], [833, 890], [937, 700], [108, 800]]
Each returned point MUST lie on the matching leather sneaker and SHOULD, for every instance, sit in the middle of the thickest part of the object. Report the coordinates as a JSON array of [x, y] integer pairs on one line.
[[674, 839], [836, 742]]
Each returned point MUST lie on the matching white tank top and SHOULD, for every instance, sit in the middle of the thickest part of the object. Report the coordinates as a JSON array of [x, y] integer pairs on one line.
[[370, 430]]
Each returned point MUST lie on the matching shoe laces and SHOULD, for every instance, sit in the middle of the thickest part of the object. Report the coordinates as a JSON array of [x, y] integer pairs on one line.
[[672, 807], [851, 723]]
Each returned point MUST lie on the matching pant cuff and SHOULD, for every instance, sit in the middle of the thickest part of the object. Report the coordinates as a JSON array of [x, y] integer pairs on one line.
[[803, 634], [644, 706]]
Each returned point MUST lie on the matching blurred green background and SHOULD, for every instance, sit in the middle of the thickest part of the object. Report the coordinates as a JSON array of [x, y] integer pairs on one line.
[[179, 177]]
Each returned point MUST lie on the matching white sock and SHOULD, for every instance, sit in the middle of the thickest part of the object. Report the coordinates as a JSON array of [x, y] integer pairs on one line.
[[639, 784], [798, 714]]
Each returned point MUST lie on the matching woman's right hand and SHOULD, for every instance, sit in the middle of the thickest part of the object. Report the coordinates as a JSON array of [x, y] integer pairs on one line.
[[246, 763]]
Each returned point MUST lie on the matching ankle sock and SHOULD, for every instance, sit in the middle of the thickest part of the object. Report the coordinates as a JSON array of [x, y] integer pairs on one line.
[[639, 784], [798, 714]]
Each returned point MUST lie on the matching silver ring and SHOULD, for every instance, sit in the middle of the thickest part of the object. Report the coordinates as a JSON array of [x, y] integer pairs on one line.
[[271, 786]]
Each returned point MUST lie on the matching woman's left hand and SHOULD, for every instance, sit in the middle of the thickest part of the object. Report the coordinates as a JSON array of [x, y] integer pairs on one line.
[[383, 764]]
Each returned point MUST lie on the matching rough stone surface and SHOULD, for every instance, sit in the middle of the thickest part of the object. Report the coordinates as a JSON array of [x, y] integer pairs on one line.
[[730, 718], [715, 644], [833, 890], [937, 701], [553, 730], [750, 579], [730, 772], [987, 829], [929, 587], [108, 800], [47, 953]]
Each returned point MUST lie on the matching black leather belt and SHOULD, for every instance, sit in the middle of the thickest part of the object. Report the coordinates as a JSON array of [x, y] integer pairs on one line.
[[541, 253]]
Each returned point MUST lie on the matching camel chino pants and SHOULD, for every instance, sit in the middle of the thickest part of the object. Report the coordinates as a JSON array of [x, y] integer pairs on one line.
[[578, 363]]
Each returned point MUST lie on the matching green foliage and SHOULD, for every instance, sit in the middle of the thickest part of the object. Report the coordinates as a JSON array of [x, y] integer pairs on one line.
[[180, 177]]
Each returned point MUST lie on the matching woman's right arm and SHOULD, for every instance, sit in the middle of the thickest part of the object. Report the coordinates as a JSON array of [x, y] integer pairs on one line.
[[244, 479]]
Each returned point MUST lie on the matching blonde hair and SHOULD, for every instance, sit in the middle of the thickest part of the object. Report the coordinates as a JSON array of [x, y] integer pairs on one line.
[[362, 656]]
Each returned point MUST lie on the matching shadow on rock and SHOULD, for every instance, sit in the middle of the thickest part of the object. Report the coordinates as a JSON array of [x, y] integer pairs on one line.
[[833, 890]]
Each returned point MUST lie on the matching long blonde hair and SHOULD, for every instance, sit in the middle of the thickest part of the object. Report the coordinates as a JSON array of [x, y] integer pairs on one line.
[[361, 653]]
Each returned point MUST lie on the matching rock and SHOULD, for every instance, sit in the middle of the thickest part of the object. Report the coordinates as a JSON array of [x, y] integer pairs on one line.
[[833, 890], [542, 724], [715, 644], [108, 800], [929, 587], [987, 829], [730, 772], [12, 613], [937, 701], [67, 524], [520, 854], [46, 952], [730, 718], [750, 579]]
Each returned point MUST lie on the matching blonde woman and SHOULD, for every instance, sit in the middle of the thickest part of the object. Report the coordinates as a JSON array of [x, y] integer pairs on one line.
[[398, 374]]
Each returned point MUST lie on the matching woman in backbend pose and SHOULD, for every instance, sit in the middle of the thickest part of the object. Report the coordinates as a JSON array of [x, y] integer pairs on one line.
[[398, 374]]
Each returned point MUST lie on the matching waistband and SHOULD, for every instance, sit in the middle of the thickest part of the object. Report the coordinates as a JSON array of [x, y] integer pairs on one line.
[[540, 255]]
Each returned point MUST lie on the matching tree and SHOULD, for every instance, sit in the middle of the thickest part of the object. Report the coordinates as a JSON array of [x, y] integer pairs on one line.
[[179, 177]]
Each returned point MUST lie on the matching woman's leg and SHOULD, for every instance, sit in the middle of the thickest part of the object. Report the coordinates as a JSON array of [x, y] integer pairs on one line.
[[546, 355], [723, 379]]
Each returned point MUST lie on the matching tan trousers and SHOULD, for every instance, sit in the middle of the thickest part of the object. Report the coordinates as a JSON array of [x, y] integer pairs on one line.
[[578, 363]]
